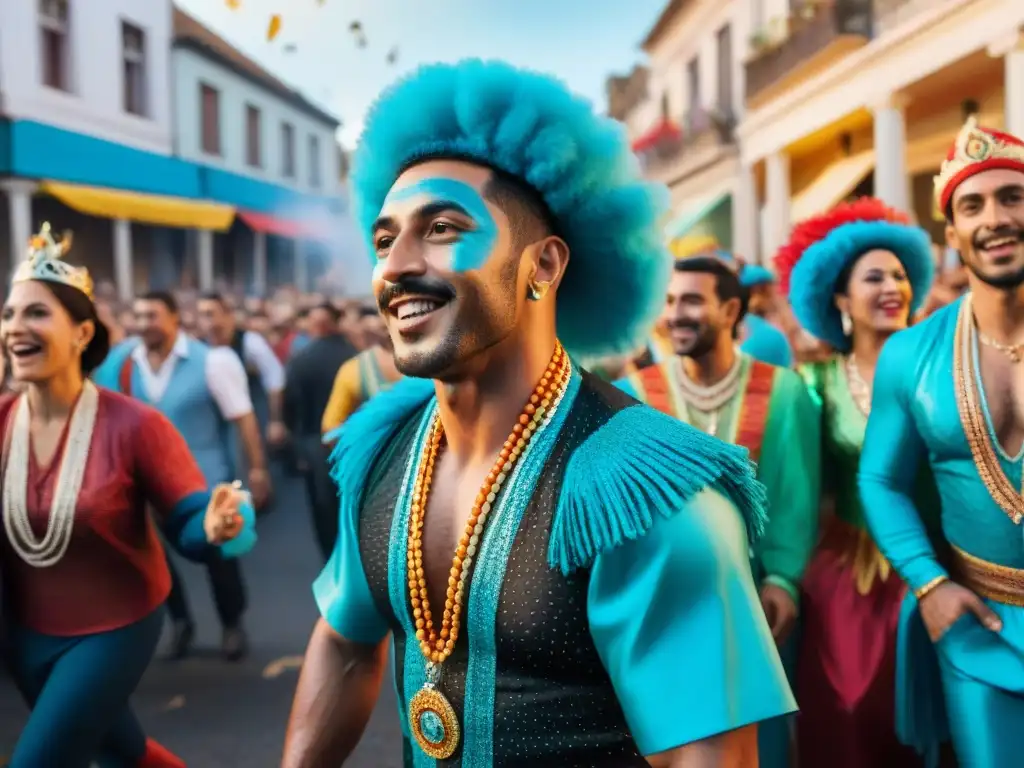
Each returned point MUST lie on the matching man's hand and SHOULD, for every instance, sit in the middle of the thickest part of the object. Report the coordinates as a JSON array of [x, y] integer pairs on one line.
[[945, 604], [259, 486], [781, 611], [277, 434]]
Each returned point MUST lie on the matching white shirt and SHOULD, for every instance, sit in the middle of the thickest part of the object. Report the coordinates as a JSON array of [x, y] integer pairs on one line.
[[257, 352], [225, 377]]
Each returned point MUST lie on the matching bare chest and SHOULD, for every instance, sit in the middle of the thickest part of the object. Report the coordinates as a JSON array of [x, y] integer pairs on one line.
[[1003, 383], [453, 494]]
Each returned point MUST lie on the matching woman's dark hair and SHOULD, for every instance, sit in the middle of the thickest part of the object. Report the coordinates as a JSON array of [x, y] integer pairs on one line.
[[80, 308]]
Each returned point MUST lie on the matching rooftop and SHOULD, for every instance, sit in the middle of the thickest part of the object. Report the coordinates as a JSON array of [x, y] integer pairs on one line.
[[190, 33]]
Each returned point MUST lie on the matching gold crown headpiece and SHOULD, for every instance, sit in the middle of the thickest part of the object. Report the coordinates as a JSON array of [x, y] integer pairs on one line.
[[975, 146], [45, 261]]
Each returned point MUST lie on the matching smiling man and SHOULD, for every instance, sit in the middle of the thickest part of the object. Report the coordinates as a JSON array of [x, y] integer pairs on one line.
[[950, 390], [560, 568], [712, 385]]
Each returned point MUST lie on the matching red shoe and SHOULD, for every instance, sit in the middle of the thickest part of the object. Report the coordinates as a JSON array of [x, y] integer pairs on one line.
[[158, 756]]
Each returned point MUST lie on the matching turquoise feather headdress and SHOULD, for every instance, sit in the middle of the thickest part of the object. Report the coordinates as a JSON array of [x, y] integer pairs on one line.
[[530, 126]]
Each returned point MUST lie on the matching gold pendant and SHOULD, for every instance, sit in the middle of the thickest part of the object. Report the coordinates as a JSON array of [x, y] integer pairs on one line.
[[433, 721]]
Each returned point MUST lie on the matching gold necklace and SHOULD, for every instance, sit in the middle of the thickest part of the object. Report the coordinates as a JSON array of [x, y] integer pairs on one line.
[[432, 719], [968, 400], [1013, 351]]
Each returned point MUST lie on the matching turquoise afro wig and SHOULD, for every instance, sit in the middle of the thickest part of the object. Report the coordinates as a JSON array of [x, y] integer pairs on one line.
[[530, 126], [821, 250]]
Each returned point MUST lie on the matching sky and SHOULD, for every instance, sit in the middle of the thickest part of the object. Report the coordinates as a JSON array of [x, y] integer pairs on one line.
[[581, 41]]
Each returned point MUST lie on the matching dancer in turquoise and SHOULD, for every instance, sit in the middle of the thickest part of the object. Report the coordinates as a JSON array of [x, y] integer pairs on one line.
[[948, 391], [564, 572]]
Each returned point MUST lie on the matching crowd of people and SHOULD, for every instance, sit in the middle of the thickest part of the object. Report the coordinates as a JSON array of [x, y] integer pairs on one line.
[[592, 502]]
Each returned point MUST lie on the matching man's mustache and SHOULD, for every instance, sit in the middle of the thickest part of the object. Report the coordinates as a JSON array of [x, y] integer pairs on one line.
[[983, 236], [683, 325], [415, 285]]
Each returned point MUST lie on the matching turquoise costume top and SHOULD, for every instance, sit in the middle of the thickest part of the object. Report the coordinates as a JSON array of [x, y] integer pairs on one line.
[[611, 580], [613, 583], [915, 418]]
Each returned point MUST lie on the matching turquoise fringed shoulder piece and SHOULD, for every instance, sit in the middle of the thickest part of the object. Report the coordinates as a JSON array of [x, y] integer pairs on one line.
[[641, 464], [361, 437]]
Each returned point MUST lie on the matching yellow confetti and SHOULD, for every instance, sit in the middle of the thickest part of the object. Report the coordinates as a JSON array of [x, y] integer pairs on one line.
[[275, 27], [234, 5], [278, 667]]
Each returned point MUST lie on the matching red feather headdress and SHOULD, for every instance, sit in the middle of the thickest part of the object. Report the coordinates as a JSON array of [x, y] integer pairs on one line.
[[817, 228]]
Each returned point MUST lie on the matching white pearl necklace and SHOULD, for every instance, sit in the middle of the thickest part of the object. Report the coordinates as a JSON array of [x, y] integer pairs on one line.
[[48, 551]]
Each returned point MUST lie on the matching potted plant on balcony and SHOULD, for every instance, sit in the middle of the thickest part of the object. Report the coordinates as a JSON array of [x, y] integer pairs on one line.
[[760, 42]]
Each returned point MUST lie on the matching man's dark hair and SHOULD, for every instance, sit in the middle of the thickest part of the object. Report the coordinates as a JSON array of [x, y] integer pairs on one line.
[[302, 314], [216, 296], [164, 297], [727, 281], [330, 309], [529, 217]]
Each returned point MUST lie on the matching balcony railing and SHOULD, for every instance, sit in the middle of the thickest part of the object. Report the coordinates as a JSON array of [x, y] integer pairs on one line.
[[700, 128], [812, 29]]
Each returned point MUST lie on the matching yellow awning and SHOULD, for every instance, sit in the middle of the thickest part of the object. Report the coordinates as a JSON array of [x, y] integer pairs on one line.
[[158, 210], [832, 186]]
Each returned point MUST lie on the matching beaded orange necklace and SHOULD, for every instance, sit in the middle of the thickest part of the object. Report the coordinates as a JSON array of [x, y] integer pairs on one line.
[[968, 399], [434, 723]]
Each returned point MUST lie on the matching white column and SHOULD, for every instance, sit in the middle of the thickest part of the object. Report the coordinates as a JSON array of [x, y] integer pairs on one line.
[[124, 273], [777, 202], [1011, 49], [301, 265], [19, 208], [259, 263], [744, 216], [204, 238], [892, 184]]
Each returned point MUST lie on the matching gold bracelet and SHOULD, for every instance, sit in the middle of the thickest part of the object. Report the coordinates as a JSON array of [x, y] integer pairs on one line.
[[921, 593]]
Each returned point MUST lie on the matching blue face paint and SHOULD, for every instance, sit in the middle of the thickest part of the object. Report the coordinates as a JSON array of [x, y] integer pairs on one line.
[[473, 247]]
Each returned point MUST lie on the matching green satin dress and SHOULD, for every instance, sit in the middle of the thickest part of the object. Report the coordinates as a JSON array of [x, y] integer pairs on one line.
[[850, 605]]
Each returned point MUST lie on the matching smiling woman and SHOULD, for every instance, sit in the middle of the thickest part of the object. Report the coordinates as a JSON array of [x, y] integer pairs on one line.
[[854, 275], [84, 571]]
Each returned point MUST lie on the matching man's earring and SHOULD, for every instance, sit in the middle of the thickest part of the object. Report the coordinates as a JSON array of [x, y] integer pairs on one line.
[[538, 291]]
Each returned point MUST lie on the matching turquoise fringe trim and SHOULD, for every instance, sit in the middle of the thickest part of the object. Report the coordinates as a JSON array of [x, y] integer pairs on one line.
[[360, 438], [639, 464], [921, 720]]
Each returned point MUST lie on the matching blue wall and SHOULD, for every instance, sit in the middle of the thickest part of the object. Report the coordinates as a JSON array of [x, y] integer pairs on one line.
[[39, 151]]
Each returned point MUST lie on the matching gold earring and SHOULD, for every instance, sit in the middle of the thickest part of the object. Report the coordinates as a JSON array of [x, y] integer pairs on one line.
[[538, 290]]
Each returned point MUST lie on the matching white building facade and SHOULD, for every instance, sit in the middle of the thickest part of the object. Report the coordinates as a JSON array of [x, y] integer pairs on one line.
[[86, 133], [683, 130], [263, 149]]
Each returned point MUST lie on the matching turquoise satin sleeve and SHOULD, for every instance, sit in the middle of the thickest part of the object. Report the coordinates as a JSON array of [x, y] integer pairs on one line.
[[342, 593], [677, 622], [790, 470], [892, 453]]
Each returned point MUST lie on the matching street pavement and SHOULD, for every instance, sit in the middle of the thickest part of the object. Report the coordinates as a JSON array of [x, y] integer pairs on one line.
[[220, 715]]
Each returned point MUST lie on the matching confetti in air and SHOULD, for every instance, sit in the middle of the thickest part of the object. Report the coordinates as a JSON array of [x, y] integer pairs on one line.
[[356, 30], [274, 29], [234, 5]]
